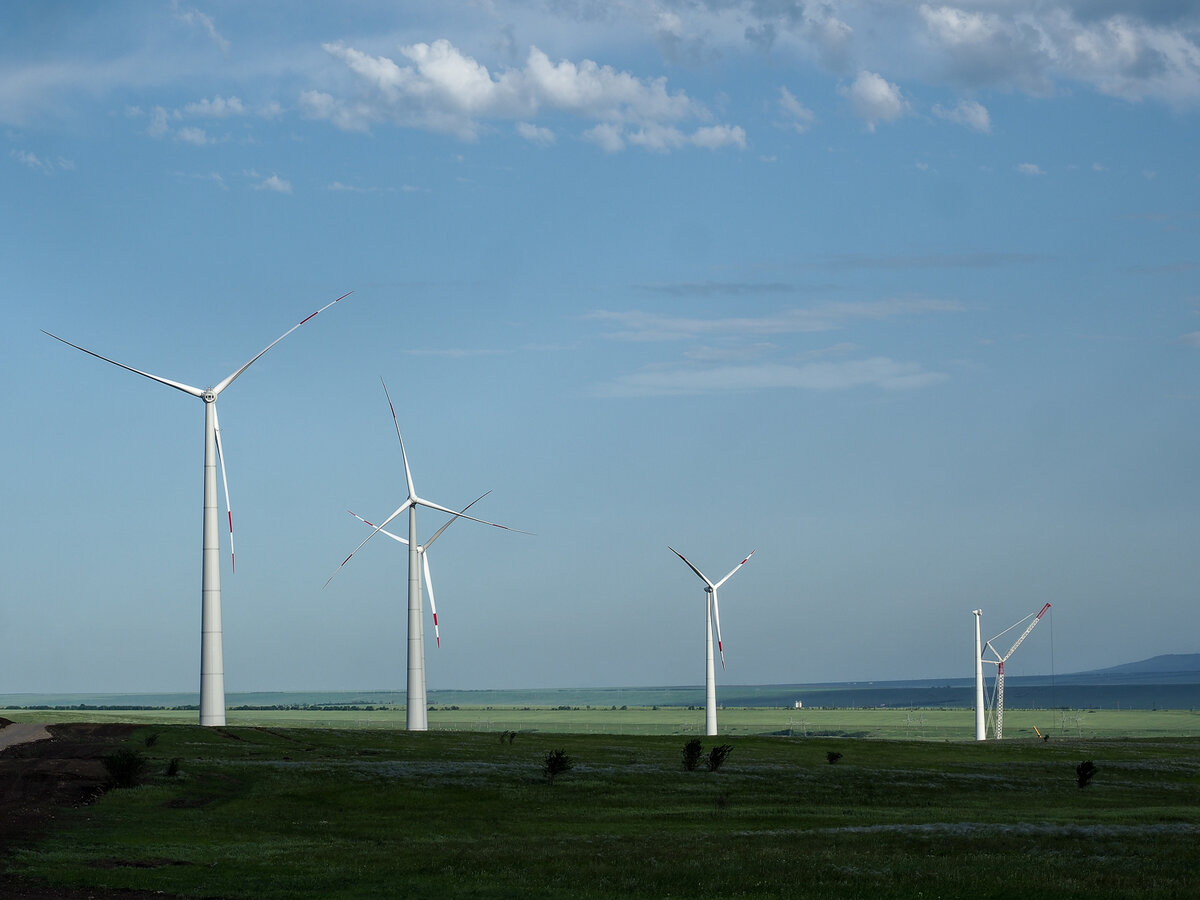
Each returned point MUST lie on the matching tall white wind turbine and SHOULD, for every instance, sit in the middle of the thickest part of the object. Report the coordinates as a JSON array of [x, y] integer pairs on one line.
[[422, 552], [712, 613], [212, 664], [980, 726], [416, 718]]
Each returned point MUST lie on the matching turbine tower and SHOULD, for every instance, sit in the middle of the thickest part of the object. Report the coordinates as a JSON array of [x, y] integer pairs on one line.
[[712, 613], [999, 662], [212, 665], [421, 552], [980, 726], [416, 718]]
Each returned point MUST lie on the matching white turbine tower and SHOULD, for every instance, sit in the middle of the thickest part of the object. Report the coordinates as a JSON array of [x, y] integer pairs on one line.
[[422, 552], [416, 718], [212, 665], [999, 662], [712, 613], [980, 726]]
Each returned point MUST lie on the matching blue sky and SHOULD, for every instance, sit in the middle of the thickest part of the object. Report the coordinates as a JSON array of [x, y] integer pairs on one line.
[[905, 296]]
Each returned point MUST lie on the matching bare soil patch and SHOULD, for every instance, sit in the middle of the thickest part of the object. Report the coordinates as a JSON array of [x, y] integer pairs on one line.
[[40, 778]]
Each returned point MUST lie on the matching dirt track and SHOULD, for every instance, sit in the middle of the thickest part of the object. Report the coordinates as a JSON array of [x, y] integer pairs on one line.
[[41, 775]]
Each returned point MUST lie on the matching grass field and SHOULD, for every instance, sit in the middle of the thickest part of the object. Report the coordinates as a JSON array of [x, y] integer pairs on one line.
[[280, 812], [907, 724]]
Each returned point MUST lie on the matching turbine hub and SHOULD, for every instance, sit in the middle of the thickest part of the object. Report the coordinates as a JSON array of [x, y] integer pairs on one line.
[[208, 397]]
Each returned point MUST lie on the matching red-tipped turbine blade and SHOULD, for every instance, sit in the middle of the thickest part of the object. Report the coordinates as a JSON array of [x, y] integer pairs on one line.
[[225, 483]]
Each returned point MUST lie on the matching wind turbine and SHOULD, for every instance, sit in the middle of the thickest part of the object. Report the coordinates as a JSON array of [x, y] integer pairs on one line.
[[999, 662], [421, 552], [416, 718], [712, 612], [980, 726], [212, 665]]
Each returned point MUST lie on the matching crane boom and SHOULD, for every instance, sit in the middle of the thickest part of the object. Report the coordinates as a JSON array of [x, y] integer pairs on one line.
[[1025, 634], [999, 662]]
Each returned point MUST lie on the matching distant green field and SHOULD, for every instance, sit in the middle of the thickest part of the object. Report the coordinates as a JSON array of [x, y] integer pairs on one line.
[[901, 724], [281, 813]]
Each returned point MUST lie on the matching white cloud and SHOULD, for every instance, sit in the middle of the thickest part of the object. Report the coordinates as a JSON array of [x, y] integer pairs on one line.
[[192, 135], [274, 183], [195, 18], [535, 134], [1192, 339], [444, 90], [643, 326], [216, 108], [875, 99], [970, 113], [799, 116], [879, 372], [1030, 169], [44, 165]]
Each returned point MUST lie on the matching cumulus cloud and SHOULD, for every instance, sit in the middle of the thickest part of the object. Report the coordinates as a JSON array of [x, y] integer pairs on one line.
[[1030, 169], [1192, 339], [274, 183], [875, 99], [441, 89], [535, 134], [970, 113]]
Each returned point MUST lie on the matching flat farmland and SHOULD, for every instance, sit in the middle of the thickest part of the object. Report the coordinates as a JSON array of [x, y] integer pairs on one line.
[[904, 724], [273, 811]]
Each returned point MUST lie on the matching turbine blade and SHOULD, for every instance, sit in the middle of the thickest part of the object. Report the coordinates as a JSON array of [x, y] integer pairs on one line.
[[734, 569], [407, 472], [717, 619], [431, 505], [429, 590], [225, 484], [437, 533], [179, 386], [690, 566], [229, 379], [378, 528], [394, 537]]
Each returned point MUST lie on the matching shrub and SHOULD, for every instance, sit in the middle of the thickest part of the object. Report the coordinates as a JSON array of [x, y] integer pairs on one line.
[[691, 754], [125, 767], [151, 740], [556, 763], [173, 767], [717, 755], [1084, 772], [833, 756]]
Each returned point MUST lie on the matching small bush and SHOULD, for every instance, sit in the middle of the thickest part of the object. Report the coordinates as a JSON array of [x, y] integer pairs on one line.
[[556, 763], [691, 754], [173, 767], [126, 767], [151, 740], [833, 756], [717, 755], [1084, 773]]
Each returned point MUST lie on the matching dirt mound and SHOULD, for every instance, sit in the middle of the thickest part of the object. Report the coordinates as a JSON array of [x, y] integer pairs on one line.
[[40, 778]]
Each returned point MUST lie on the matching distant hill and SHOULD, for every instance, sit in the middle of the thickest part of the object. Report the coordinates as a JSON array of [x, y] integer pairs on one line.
[[1167, 664]]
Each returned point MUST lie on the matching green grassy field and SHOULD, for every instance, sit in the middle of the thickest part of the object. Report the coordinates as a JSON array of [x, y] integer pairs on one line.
[[907, 724], [281, 812]]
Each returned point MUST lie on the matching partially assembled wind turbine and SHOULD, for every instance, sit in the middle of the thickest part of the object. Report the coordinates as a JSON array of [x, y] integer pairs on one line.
[[212, 666], [999, 661], [712, 613], [416, 718], [421, 551]]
